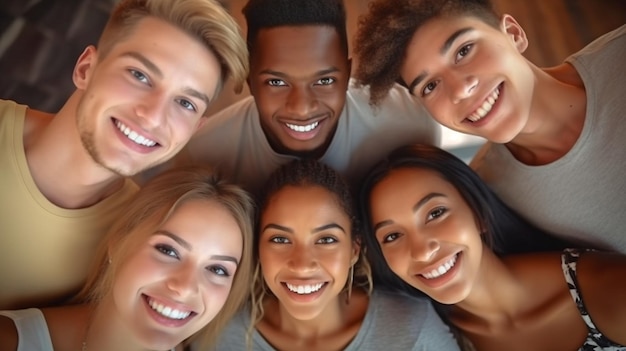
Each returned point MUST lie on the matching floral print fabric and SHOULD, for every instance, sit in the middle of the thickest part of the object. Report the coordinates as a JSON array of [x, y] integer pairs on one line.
[[595, 341]]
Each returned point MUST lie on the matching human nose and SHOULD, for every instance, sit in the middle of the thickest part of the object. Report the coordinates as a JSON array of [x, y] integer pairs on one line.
[[462, 86], [423, 249], [183, 281], [302, 260], [301, 101], [151, 110]]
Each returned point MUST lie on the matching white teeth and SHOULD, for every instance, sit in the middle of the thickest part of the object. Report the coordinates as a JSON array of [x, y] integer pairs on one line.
[[304, 289], [441, 270], [168, 311], [134, 136], [302, 129], [485, 107]]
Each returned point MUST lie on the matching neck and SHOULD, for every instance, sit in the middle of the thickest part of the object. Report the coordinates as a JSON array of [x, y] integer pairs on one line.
[[104, 331], [60, 166], [555, 119], [332, 319], [489, 303]]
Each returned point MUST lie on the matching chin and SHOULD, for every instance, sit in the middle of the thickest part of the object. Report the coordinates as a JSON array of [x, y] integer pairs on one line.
[[162, 342], [447, 300]]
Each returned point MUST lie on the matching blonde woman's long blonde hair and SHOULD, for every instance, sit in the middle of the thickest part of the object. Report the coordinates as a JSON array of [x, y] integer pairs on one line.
[[147, 212]]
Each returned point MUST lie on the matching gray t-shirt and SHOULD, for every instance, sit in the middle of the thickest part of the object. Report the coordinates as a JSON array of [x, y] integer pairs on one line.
[[233, 140], [392, 322], [580, 197], [32, 330]]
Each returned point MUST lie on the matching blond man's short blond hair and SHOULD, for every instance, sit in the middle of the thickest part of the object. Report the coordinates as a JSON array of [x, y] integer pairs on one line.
[[205, 20]]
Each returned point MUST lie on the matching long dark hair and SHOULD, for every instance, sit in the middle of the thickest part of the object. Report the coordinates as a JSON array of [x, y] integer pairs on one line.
[[506, 232]]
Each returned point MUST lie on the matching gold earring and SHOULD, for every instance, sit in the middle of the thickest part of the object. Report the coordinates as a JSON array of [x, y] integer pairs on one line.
[[350, 282]]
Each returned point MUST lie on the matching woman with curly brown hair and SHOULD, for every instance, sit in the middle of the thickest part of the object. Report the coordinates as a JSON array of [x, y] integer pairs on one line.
[[312, 286]]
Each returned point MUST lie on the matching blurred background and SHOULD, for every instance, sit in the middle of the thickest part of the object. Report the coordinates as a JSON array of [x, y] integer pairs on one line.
[[40, 41]]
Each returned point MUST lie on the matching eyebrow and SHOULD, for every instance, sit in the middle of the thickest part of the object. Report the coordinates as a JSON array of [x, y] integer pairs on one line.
[[156, 71], [225, 258], [448, 43], [145, 61], [182, 242], [415, 208], [315, 230], [198, 95], [425, 199], [322, 72], [444, 49], [328, 226]]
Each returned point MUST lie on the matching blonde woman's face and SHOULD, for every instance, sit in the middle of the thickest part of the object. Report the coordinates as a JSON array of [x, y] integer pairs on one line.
[[306, 250], [179, 279]]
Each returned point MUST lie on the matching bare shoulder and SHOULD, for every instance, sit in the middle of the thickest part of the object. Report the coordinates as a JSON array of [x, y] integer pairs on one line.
[[602, 284], [8, 334], [535, 264], [65, 323], [606, 270]]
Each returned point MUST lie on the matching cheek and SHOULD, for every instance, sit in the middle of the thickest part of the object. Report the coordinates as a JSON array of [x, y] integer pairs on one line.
[[396, 260], [139, 269], [269, 100], [182, 127], [216, 296], [103, 86], [126, 284], [269, 264], [340, 263], [334, 99], [338, 107], [437, 108], [469, 234]]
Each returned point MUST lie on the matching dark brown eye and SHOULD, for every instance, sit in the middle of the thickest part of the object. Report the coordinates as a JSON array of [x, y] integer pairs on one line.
[[166, 250], [436, 213], [428, 88]]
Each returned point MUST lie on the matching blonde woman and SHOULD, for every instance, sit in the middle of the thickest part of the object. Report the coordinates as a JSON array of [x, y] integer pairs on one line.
[[175, 266]]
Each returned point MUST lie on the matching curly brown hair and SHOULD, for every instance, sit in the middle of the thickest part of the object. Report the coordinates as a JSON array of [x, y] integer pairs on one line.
[[385, 31]]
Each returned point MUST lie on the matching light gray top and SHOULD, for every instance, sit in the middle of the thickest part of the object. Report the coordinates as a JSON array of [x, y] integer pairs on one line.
[[32, 330], [580, 197], [233, 140], [392, 322]]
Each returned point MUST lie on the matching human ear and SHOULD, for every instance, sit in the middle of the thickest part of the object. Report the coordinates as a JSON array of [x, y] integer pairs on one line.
[[356, 250], [515, 32], [84, 67]]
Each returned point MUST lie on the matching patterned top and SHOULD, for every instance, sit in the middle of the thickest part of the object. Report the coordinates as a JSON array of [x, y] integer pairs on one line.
[[595, 341]]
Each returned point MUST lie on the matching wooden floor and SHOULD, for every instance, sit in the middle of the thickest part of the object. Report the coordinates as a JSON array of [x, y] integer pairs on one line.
[[40, 40]]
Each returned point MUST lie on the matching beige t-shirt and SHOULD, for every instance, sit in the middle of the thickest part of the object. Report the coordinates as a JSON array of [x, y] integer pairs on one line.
[[45, 250]]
